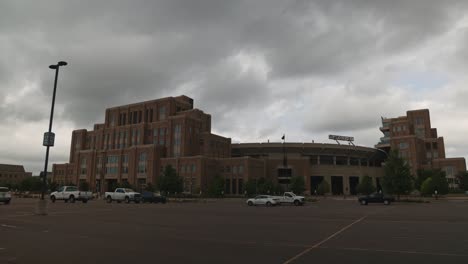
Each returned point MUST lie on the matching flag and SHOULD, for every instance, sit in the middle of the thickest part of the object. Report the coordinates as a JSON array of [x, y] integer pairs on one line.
[[282, 137]]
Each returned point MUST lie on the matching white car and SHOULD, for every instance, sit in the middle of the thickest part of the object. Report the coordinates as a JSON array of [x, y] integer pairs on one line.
[[5, 195], [70, 194], [263, 200], [123, 194]]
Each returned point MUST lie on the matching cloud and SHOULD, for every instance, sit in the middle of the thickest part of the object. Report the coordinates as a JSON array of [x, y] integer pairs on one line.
[[260, 68]]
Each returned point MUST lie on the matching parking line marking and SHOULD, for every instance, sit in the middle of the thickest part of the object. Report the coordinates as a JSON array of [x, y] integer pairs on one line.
[[9, 226], [323, 241]]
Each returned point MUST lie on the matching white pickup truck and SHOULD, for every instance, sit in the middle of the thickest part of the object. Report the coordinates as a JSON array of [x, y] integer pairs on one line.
[[123, 194], [291, 198], [70, 193]]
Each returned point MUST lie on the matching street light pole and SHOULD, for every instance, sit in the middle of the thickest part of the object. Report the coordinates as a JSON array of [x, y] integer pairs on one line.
[[49, 136]]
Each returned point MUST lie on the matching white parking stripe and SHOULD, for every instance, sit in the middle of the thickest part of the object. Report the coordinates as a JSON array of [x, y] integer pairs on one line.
[[323, 241], [9, 226]]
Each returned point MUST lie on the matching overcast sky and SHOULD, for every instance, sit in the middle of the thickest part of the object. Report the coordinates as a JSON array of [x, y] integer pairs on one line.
[[260, 68]]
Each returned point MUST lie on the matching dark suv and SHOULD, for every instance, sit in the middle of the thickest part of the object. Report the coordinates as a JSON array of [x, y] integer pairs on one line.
[[150, 197], [376, 198]]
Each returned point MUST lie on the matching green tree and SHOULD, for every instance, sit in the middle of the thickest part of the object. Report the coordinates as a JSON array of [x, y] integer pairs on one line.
[[397, 176], [440, 181], [279, 189], [52, 185], [265, 186], [31, 184], [297, 184], [323, 188], [366, 186], [427, 187], [462, 179], [169, 181], [250, 186], [422, 176], [150, 187], [216, 186]]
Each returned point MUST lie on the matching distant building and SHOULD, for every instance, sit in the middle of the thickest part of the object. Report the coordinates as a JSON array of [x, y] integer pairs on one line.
[[418, 143], [137, 141], [13, 173]]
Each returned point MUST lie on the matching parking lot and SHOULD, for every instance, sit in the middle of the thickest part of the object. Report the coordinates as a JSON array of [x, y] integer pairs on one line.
[[228, 231]]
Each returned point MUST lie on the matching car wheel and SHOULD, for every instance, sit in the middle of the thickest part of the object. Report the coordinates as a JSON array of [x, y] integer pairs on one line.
[[297, 203], [127, 200], [85, 201], [163, 201], [52, 198], [109, 199], [363, 202], [137, 201], [268, 203], [72, 199], [250, 203], [7, 202], [386, 202]]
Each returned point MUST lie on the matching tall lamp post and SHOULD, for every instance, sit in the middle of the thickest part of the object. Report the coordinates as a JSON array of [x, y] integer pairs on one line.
[[49, 138]]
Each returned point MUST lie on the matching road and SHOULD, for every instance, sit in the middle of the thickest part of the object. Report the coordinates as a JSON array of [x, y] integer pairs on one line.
[[228, 231]]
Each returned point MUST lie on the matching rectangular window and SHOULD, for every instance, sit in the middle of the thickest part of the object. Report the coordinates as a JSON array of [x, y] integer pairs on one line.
[[241, 169], [420, 132], [162, 113], [125, 164], [404, 145], [142, 162]]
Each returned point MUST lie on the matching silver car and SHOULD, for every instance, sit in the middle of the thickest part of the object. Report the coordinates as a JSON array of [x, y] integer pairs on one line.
[[5, 195], [267, 200]]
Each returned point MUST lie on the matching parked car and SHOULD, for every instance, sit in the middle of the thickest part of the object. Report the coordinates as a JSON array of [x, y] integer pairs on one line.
[[376, 198], [5, 195], [70, 194], [151, 197], [123, 194], [291, 198], [267, 200]]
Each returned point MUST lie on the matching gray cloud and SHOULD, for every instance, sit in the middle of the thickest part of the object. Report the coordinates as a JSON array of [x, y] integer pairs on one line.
[[259, 67]]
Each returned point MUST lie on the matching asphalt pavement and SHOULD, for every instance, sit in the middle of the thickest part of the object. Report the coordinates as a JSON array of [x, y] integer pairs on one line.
[[228, 231]]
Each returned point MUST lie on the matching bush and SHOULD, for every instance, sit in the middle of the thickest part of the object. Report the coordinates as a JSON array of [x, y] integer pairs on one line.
[[297, 184], [216, 186], [323, 188], [366, 186], [427, 187]]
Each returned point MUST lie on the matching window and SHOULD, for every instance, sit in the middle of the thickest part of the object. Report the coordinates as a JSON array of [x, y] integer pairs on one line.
[[162, 113], [83, 166], [398, 128], [404, 145], [419, 132], [241, 169], [124, 164], [112, 164], [177, 139], [142, 162], [419, 120]]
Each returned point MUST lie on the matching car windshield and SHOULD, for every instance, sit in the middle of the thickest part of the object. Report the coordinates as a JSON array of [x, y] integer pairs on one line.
[[3, 189], [129, 190]]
